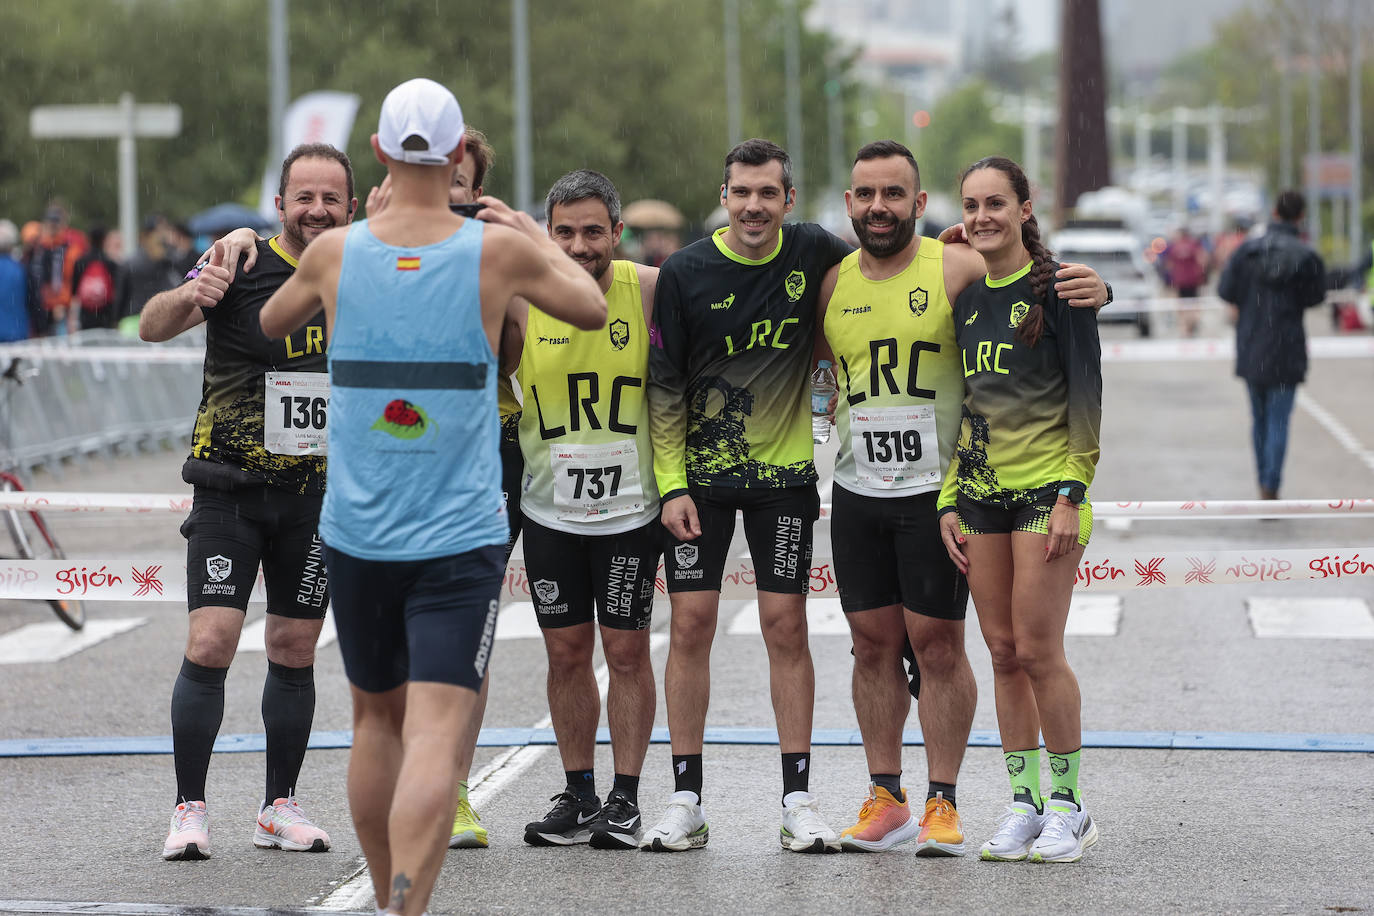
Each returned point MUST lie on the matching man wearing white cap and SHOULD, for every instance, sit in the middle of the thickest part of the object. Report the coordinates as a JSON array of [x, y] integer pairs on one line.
[[413, 520]]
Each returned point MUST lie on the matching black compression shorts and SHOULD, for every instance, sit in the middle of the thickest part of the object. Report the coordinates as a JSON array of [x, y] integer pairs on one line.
[[229, 533], [419, 620], [512, 472], [888, 551], [777, 525], [569, 573]]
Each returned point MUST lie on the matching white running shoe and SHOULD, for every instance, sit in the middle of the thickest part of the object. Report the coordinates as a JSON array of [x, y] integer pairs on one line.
[[283, 825], [1065, 834], [682, 827], [188, 837], [802, 829], [1016, 830]]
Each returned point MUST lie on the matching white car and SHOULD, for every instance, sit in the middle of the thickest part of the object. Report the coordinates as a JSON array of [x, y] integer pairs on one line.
[[1114, 252]]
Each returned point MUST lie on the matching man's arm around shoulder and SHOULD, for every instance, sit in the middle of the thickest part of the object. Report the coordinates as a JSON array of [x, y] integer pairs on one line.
[[300, 298]]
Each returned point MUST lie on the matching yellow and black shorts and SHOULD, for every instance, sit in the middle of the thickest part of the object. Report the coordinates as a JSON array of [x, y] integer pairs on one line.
[[1018, 510]]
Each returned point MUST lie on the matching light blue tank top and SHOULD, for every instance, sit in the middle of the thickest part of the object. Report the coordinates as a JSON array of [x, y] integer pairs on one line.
[[414, 437]]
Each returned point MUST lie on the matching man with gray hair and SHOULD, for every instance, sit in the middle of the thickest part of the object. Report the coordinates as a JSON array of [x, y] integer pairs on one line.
[[590, 502]]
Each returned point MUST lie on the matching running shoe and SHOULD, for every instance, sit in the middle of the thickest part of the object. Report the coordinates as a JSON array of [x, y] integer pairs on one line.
[[468, 833], [619, 824], [283, 825], [189, 834], [1016, 830], [683, 826], [942, 833], [1065, 835], [567, 823], [883, 823], [802, 829]]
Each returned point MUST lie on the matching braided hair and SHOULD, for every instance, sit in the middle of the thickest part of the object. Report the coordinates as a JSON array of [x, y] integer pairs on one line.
[[1032, 327]]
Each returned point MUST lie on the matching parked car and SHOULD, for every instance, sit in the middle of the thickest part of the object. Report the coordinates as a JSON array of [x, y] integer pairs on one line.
[[1107, 246]]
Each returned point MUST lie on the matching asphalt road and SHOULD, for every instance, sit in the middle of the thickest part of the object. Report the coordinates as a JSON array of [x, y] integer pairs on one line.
[[1216, 831]]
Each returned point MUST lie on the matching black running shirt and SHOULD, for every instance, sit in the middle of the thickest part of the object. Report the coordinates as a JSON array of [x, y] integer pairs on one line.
[[228, 447], [1031, 415], [729, 368]]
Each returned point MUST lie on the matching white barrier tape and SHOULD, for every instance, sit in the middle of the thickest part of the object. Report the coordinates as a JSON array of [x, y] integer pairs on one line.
[[180, 504], [1219, 348], [1215, 509], [132, 354], [1165, 304], [138, 503], [163, 577], [1224, 348]]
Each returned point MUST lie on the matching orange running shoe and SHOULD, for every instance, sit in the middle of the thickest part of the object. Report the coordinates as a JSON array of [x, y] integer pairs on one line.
[[883, 823], [942, 833]]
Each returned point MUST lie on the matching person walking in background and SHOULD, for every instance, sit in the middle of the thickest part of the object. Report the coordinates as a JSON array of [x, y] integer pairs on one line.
[[14, 287], [1269, 282], [1185, 267]]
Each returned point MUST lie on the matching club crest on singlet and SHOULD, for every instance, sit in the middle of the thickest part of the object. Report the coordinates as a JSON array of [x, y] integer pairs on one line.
[[620, 333], [795, 285], [918, 300], [1019, 310]]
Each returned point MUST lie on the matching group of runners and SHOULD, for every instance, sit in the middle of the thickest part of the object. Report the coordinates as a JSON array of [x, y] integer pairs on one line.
[[657, 403]]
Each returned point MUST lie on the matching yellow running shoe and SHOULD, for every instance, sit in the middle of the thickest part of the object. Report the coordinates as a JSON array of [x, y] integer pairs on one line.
[[468, 833], [942, 833], [883, 823]]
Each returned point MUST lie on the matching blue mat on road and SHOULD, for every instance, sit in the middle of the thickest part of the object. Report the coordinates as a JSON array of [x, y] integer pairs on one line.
[[824, 737]]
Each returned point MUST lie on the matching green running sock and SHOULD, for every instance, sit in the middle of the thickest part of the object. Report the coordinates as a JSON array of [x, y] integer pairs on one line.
[[1024, 769], [1064, 779]]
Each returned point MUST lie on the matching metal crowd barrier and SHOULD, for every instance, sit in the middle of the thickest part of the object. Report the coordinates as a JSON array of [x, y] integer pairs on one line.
[[120, 401]]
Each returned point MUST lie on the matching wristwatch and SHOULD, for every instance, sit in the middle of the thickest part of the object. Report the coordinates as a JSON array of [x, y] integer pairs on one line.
[[1109, 294], [1073, 493]]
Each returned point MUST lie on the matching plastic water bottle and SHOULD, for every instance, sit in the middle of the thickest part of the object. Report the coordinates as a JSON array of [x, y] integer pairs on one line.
[[823, 388]]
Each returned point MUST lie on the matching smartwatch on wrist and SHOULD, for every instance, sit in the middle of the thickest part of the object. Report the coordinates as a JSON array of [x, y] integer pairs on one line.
[[1073, 493]]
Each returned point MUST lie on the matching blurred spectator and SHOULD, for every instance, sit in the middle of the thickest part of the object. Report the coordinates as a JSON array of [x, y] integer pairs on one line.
[[95, 285], [1229, 241], [14, 286], [1185, 269], [180, 251], [657, 225], [50, 264], [1271, 281], [148, 271]]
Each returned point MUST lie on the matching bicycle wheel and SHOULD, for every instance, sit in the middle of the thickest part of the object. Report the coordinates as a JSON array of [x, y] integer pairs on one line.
[[33, 540]]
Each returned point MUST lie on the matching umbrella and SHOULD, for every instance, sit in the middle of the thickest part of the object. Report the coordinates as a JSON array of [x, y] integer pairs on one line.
[[222, 218]]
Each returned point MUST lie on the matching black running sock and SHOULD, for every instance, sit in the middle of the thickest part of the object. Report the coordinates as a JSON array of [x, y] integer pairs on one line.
[[581, 783], [947, 788], [892, 782], [288, 709], [627, 786], [796, 773], [197, 710], [687, 774]]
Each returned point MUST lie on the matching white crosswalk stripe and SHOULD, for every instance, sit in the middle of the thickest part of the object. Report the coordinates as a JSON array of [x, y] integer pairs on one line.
[[1310, 618], [50, 642]]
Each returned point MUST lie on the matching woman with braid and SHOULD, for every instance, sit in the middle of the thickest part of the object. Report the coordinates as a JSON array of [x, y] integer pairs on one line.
[[1014, 513]]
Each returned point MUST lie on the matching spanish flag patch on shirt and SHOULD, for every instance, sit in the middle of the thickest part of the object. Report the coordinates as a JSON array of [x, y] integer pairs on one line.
[[407, 263]]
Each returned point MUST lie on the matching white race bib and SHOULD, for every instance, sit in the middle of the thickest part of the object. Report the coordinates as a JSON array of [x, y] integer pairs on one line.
[[595, 482], [894, 447], [295, 413]]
